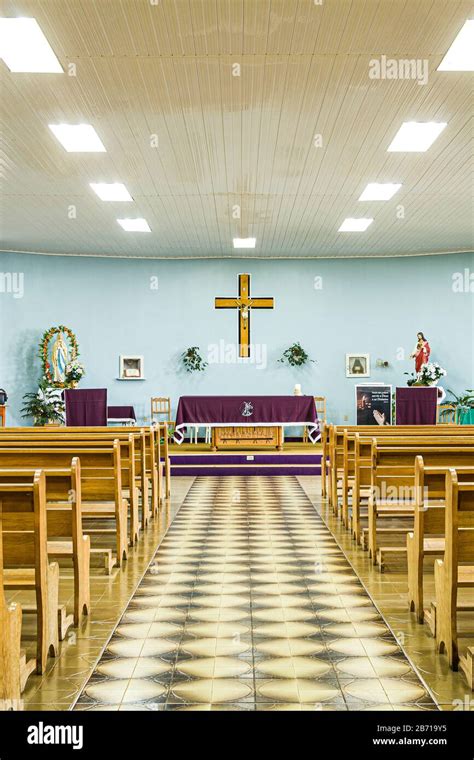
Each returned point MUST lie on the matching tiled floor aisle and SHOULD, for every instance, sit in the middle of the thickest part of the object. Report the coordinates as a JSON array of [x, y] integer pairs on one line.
[[250, 604]]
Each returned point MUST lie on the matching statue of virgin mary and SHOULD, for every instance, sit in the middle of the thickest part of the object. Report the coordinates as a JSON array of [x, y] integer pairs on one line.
[[59, 359]]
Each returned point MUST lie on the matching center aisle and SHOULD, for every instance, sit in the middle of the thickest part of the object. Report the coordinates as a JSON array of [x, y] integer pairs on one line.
[[250, 604]]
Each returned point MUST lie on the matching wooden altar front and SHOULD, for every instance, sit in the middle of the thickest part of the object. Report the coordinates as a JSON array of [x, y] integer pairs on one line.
[[247, 437]]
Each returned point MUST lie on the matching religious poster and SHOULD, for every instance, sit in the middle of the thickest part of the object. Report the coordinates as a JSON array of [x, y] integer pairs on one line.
[[373, 404]]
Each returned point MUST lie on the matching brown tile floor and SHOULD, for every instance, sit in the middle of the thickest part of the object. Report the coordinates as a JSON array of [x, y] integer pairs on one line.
[[250, 604], [66, 674], [389, 591]]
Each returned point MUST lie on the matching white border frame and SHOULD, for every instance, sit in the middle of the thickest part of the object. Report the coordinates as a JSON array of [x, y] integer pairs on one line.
[[353, 355], [123, 358]]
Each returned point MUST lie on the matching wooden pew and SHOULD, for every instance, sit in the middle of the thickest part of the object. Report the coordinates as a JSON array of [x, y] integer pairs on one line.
[[152, 448], [25, 558], [336, 443], [361, 484], [394, 468], [101, 482], [15, 668], [455, 571], [324, 460], [127, 460], [427, 538], [64, 527], [364, 453]]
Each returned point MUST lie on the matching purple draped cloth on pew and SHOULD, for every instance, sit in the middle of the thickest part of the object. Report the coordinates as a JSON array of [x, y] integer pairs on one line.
[[86, 408], [416, 406], [121, 413], [252, 411]]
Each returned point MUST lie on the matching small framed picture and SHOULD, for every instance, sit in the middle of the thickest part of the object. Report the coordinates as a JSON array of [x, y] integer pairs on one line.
[[357, 365], [131, 368]]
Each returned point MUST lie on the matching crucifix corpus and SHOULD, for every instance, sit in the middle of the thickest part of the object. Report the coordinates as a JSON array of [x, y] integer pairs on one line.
[[244, 303]]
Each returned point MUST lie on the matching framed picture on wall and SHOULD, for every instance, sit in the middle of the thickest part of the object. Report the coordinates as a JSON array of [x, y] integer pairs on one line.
[[357, 365], [131, 368]]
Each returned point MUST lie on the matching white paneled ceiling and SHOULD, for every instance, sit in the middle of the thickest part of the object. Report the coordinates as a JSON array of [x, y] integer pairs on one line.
[[164, 68]]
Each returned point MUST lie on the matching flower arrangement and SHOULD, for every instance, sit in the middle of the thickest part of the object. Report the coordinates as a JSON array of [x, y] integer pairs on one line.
[[46, 406], [192, 360], [429, 374], [295, 356], [74, 372], [43, 352]]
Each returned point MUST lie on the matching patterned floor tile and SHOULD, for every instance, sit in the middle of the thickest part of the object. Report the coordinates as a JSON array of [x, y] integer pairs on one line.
[[250, 604]]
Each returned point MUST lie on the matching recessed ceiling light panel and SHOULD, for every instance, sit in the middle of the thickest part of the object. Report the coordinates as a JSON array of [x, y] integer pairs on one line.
[[24, 48], [376, 191], [78, 138], [355, 225], [115, 191], [134, 225], [244, 242], [460, 56], [416, 136]]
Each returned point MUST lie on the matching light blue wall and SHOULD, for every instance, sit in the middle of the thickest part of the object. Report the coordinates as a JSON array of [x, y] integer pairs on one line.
[[372, 306]]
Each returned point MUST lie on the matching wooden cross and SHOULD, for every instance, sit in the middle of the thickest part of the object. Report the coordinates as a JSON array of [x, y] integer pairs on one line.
[[244, 303]]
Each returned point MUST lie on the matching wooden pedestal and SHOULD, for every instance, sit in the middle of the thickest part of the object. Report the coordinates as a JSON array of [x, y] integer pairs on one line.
[[247, 437]]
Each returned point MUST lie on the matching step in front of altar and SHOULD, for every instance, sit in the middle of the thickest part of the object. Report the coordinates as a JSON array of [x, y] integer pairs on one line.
[[245, 463]]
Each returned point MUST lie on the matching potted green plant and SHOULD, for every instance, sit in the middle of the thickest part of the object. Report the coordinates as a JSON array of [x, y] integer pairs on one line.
[[295, 356], [46, 406], [192, 360], [464, 405]]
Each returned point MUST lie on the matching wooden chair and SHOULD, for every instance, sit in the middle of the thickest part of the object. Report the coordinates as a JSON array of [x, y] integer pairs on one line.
[[25, 559], [446, 414], [161, 411], [455, 571]]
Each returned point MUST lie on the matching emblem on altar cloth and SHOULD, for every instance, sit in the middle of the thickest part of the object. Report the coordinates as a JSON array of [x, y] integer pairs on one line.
[[246, 409]]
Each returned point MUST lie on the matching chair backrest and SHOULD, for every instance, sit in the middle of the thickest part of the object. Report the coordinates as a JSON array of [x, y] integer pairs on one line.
[[161, 405], [446, 414], [320, 402]]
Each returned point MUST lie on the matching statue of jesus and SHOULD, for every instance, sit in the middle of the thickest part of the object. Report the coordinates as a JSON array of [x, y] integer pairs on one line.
[[421, 352]]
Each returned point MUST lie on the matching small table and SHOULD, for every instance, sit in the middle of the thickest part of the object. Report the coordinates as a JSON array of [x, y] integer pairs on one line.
[[3, 415], [121, 415]]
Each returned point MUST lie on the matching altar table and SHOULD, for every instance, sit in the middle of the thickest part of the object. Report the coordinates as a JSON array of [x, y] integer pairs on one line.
[[252, 412]]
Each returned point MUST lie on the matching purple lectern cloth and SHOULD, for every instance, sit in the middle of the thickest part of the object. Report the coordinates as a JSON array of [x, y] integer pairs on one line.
[[251, 411], [86, 407], [121, 413], [416, 406]]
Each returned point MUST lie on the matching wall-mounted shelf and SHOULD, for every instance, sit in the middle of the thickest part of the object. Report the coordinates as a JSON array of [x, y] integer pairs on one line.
[[130, 378]]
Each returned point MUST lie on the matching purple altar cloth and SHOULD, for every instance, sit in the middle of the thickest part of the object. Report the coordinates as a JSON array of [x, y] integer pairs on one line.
[[86, 407], [121, 413], [251, 411], [416, 406]]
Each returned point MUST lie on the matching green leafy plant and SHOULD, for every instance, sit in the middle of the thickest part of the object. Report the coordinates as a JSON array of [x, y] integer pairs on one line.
[[464, 402], [192, 360], [295, 356], [45, 406]]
